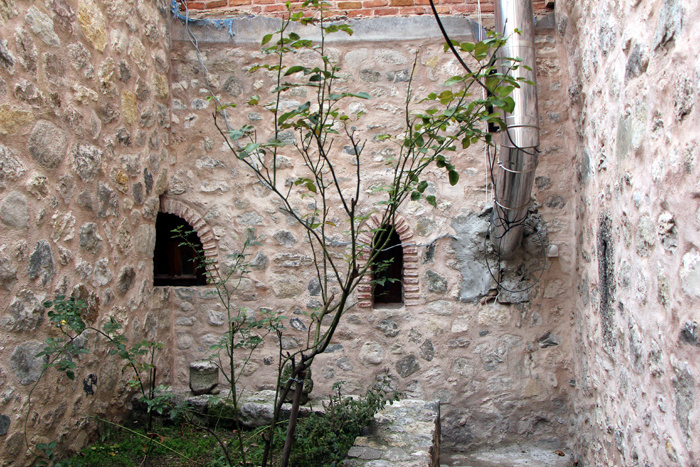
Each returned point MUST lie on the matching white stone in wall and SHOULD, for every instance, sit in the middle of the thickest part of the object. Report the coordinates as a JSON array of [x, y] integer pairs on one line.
[[690, 273]]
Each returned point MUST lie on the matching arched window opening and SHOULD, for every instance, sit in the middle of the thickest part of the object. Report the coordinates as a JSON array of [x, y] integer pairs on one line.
[[175, 264], [388, 266]]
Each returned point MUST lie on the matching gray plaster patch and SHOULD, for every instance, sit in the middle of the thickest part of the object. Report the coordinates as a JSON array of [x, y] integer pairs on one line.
[[470, 233]]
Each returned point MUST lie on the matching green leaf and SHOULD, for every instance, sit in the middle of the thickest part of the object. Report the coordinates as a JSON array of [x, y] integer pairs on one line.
[[480, 50], [508, 104], [70, 374], [362, 95], [266, 38], [422, 186], [454, 80], [254, 100], [294, 36], [454, 177], [293, 69], [466, 46], [431, 200], [415, 196]]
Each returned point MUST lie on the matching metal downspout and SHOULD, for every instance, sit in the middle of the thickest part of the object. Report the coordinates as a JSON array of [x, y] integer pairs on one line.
[[517, 158]]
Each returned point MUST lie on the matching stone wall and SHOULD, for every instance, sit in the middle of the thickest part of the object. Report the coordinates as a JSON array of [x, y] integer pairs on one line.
[[84, 138], [500, 365], [634, 81]]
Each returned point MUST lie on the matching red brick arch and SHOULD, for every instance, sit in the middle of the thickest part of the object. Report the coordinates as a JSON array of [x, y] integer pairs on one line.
[[411, 282], [192, 217]]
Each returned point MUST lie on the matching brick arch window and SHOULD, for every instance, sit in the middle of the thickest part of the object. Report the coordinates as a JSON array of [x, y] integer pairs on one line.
[[407, 271], [173, 264]]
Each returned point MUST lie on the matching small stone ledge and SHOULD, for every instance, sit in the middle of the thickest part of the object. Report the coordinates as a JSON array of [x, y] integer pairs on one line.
[[404, 434], [255, 410]]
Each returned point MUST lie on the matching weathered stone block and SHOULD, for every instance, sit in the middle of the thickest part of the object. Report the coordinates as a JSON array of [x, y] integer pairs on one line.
[[14, 211], [41, 263], [204, 377], [407, 365], [47, 144], [371, 353], [25, 364]]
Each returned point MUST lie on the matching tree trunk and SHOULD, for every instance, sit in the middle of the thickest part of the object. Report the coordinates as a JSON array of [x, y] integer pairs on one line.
[[289, 439]]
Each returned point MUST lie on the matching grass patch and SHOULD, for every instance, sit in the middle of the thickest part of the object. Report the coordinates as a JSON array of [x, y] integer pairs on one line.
[[320, 440], [177, 446]]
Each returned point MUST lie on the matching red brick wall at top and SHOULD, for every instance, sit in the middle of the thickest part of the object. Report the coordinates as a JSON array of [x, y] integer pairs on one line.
[[352, 8]]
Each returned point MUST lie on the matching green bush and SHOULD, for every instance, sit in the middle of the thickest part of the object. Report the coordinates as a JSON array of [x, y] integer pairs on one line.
[[324, 440]]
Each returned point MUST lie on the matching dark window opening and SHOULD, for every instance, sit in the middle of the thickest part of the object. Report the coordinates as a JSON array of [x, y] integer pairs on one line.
[[175, 264], [388, 267]]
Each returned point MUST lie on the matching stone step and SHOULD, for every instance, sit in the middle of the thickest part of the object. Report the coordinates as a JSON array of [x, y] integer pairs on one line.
[[404, 434], [543, 454]]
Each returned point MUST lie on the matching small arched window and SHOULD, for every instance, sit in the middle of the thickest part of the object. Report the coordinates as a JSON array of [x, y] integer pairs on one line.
[[388, 266], [175, 264]]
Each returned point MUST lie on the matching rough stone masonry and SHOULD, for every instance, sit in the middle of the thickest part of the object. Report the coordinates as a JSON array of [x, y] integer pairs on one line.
[[104, 122]]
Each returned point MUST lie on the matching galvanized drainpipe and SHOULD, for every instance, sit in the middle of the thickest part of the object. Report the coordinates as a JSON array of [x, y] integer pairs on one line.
[[517, 158]]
